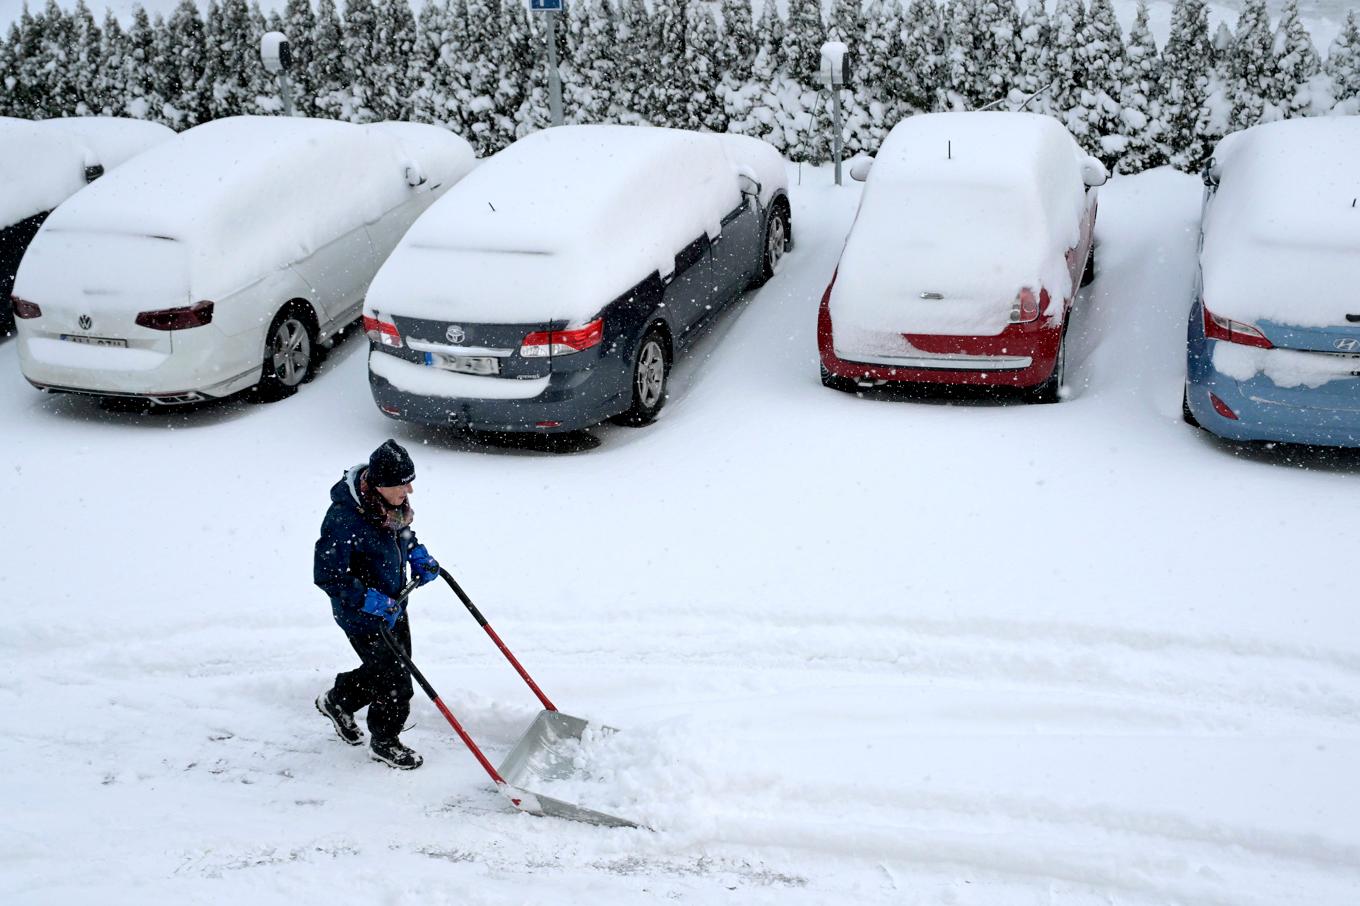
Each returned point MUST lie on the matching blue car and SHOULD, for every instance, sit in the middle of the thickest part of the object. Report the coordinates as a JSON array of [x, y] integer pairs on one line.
[[1273, 343]]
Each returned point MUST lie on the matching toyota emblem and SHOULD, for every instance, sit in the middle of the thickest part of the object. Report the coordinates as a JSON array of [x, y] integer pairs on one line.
[[1349, 344], [86, 322], [455, 334]]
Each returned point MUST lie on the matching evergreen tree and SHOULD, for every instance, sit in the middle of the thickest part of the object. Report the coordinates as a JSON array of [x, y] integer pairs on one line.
[[703, 105], [636, 76], [329, 79], [141, 93], [260, 89], [998, 38], [483, 73], [1036, 58], [735, 58], [1343, 61], [968, 85], [1103, 58], [875, 79], [666, 104], [1189, 135], [434, 97], [596, 66], [230, 58], [85, 61], [299, 24], [394, 45], [517, 65], [1069, 67], [1296, 62], [184, 53], [11, 94], [31, 98], [107, 86], [60, 78], [803, 39], [1138, 101], [360, 35], [1222, 45], [925, 64], [1251, 66]]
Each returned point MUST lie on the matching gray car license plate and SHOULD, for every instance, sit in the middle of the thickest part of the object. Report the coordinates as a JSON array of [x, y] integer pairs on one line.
[[464, 364], [95, 341]]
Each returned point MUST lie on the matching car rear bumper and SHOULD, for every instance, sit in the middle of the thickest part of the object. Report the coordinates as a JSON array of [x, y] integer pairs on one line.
[[568, 401], [1318, 418]]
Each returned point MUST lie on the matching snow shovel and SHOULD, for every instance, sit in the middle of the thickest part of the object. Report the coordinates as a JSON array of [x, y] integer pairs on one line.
[[542, 754]]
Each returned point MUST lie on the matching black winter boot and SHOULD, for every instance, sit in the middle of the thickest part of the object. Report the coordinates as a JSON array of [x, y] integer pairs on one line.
[[392, 753], [343, 721]]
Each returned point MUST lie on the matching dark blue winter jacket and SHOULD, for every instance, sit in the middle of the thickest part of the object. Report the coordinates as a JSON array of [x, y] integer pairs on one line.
[[355, 553]]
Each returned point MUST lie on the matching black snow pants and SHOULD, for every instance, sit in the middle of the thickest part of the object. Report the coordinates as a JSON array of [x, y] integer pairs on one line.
[[380, 682]]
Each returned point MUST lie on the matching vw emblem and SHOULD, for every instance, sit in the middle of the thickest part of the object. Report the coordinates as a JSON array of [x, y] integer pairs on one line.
[[455, 334], [86, 322], [1347, 345]]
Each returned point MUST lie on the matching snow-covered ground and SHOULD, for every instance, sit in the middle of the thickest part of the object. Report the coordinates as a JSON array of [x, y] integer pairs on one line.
[[869, 650]]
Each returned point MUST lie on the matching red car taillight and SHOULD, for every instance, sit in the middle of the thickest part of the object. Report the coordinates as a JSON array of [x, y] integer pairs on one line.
[[382, 332], [198, 315], [1230, 331], [24, 308], [1027, 306], [562, 342]]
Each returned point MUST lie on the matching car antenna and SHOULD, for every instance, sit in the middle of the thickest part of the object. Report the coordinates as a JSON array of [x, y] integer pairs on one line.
[[949, 150], [492, 207]]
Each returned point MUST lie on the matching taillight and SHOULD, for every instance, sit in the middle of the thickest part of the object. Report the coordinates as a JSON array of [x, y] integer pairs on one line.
[[382, 332], [1221, 407], [1026, 306], [24, 308], [1230, 331], [198, 315], [562, 342]]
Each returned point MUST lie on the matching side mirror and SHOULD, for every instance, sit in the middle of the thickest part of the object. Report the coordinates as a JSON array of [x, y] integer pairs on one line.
[[93, 172], [747, 182], [1210, 174], [1093, 173], [859, 169], [414, 175]]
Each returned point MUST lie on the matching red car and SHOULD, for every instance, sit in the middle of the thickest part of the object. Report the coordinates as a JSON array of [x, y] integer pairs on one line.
[[962, 266]]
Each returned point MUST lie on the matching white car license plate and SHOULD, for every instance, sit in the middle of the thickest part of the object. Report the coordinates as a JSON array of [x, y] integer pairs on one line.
[[95, 341], [464, 364]]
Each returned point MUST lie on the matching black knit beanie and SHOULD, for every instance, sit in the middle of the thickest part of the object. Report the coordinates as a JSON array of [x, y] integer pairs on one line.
[[390, 466]]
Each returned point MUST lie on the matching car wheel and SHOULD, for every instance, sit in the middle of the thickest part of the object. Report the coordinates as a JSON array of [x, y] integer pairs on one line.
[[1050, 391], [1186, 415], [289, 355], [1089, 274], [651, 369], [776, 241], [844, 385]]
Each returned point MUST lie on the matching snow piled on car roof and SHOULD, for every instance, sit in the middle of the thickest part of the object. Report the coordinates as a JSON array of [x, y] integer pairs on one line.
[[246, 195], [1282, 231], [111, 140], [39, 169], [960, 211], [564, 221]]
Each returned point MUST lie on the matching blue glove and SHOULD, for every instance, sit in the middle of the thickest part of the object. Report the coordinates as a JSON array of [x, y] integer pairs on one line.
[[424, 568], [380, 605]]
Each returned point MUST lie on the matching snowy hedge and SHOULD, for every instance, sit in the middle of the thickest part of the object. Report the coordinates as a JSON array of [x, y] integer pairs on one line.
[[475, 67]]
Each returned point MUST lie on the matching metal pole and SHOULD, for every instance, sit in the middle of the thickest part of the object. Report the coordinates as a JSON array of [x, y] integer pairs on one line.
[[554, 80], [286, 92], [836, 120]]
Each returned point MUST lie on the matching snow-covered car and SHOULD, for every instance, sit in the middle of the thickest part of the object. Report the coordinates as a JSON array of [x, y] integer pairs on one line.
[[224, 258], [1273, 349], [44, 162], [963, 263], [552, 288]]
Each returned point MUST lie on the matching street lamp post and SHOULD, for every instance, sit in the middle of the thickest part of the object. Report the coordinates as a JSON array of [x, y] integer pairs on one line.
[[834, 62], [552, 8], [277, 57]]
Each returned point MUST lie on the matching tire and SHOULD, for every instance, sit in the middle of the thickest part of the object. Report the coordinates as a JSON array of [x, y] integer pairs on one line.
[[1050, 391], [776, 243], [290, 354], [831, 381], [650, 374], [1186, 415], [1089, 273]]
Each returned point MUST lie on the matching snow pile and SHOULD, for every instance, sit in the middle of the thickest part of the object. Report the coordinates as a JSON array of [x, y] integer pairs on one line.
[[565, 220], [39, 170], [970, 207], [1286, 367], [243, 196], [111, 140], [1282, 232]]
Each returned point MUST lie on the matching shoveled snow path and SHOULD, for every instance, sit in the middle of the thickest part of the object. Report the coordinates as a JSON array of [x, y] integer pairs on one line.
[[864, 649]]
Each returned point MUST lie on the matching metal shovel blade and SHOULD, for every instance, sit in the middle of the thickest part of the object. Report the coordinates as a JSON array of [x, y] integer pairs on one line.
[[540, 757]]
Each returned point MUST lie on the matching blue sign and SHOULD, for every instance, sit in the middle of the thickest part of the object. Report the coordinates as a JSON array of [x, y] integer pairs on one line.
[[545, 6]]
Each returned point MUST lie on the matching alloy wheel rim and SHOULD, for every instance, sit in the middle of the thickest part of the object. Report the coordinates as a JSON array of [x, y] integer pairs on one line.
[[651, 374], [775, 245], [292, 352]]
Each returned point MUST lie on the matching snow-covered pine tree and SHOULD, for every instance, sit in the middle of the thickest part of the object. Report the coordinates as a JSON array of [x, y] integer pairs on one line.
[[1139, 107], [968, 87], [735, 58], [1343, 63], [262, 92], [759, 112], [483, 67], [597, 66], [635, 74], [876, 80], [1296, 62], [431, 92], [803, 39], [395, 44], [1190, 134], [299, 24], [231, 57], [518, 63], [924, 73], [59, 80], [183, 51], [329, 80], [1222, 44], [1035, 68], [1252, 70], [1000, 65], [85, 60], [703, 102], [30, 100], [1069, 69], [1102, 56], [360, 33], [11, 97], [141, 95], [665, 103]]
